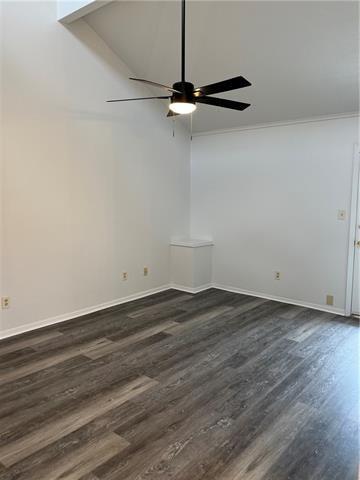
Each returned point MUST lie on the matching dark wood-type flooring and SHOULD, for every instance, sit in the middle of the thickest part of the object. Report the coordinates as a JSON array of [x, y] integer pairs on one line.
[[213, 386]]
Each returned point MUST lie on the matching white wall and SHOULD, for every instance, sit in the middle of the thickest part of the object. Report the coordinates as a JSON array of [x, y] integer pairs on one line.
[[89, 189], [269, 197]]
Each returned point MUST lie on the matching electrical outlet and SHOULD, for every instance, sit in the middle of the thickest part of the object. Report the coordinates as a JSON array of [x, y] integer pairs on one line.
[[125, 276], [5, 302], [329, 299], [277, 275], [341, 214], [146, 271]]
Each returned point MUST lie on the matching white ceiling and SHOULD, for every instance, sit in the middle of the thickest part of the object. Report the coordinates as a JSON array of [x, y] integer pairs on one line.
[[301, 57]]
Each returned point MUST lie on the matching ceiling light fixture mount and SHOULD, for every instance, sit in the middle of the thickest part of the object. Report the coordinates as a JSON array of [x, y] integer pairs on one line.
[[183, 96]]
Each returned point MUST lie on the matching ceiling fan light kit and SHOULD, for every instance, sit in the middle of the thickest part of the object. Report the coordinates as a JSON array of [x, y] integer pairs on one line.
[[182, 108], [182, 103], [183, 96]]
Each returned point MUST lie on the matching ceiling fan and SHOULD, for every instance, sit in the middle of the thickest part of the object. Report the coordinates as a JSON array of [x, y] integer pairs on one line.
[[184, 96]]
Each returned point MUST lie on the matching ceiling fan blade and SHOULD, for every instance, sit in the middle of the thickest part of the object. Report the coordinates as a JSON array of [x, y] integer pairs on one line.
[[224, 86], [154, 84], [223, 102], [172, 114], [140, 98]]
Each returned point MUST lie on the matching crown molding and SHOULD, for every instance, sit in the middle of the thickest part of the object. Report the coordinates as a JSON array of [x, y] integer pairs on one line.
[[323, 118]]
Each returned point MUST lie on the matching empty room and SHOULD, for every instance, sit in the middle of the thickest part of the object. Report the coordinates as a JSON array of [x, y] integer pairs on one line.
[[179, 240]]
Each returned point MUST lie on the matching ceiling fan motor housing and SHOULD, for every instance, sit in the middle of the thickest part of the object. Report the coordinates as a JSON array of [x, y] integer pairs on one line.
[[186, 95]]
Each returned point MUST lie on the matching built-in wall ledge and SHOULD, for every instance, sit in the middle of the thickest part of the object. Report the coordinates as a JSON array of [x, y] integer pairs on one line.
[[192, 242], [191, 264]]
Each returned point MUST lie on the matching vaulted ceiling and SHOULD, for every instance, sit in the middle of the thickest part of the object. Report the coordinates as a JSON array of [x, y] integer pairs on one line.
[[301, 57]]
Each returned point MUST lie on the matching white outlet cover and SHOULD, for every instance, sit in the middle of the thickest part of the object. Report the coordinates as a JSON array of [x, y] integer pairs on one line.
[[5, 303]]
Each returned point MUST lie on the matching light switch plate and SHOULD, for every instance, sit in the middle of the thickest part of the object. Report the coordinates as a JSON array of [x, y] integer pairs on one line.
[[341, 214]]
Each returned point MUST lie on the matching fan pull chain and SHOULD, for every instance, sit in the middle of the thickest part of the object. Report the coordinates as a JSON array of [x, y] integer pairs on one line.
[[191, 126], [173, 124]]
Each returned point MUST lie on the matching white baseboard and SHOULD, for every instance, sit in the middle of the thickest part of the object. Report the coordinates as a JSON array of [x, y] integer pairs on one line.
[[275, 298], [102, 306], [79, 313], [182, 288]]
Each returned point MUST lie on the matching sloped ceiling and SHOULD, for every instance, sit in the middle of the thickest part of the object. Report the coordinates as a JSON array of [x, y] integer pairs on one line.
[[301, 57]]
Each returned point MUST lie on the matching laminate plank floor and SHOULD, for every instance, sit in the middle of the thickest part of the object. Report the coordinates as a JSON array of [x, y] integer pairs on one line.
[[212, 386]]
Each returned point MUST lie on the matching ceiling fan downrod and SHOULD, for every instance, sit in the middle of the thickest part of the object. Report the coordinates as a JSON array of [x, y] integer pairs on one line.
[[183, 96], [183, 21]]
